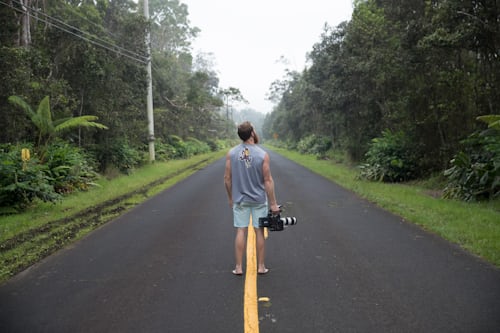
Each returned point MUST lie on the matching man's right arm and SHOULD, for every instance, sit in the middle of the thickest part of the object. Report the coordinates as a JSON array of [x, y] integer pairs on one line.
[[227, 179]]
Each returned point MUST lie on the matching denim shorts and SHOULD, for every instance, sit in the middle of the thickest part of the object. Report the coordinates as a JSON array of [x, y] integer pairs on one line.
[[243, 211]]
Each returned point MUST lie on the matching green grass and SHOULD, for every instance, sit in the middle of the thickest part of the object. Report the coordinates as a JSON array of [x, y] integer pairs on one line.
[[474, 226], [30, 236], [27, 237], [106, 190]]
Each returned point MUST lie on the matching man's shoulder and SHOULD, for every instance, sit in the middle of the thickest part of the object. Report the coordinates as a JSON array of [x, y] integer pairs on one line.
[[253, 147], [234, 148], [260, 149]]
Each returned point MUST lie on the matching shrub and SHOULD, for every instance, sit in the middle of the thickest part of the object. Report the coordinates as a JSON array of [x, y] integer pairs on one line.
[[176, 148], [314, 144], [23, 182], [475, 172], [180, 149], [69, 167], [216, 145], [118, 154], [164, 151], [291, 145], [390, 158], [196, 147]]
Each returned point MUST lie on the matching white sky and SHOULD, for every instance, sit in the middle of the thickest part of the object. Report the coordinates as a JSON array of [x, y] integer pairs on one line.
[[247, 39]]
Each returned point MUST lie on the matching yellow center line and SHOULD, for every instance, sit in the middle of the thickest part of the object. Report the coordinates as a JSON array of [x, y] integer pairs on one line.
[[251, 311]]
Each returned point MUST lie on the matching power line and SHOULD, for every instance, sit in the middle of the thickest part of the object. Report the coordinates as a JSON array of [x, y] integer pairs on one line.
[[72, 10], [92, 39]]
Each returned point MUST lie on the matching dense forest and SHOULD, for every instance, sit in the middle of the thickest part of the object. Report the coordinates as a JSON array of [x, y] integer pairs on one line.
[[74, 86], [399, 87], [90, 56]]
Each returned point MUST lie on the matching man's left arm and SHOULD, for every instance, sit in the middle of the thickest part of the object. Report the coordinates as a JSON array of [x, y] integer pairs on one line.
[[269, 185]]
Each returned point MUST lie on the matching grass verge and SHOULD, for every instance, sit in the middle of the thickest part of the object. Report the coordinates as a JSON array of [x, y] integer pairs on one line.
[[474, 226], [28, 237]]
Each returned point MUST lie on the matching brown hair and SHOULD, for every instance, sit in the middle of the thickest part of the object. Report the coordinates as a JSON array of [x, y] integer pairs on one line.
[[245, 130]]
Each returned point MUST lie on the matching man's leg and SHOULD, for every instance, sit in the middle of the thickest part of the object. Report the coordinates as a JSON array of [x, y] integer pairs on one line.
[[239, 249], [261, 250]]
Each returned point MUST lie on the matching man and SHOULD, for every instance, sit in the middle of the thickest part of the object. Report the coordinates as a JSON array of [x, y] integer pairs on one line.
[[250, 188]]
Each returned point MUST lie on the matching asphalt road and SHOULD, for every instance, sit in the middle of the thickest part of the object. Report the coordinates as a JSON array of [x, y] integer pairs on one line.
[[165, 266]]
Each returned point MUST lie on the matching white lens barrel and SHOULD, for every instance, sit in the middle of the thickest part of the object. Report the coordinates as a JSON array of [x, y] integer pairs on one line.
[[288, 220]]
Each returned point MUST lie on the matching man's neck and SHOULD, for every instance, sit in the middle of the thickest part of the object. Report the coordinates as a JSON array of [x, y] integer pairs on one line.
[[249, 141]]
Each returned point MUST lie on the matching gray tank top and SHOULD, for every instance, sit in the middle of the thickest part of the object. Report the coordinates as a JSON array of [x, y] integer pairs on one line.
[[246, 171]]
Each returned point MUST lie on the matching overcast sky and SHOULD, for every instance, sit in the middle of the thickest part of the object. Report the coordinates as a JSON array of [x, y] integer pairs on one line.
[[247, 39]]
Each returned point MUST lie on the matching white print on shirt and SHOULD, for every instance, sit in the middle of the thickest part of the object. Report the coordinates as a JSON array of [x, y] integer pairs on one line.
[[246, 157]]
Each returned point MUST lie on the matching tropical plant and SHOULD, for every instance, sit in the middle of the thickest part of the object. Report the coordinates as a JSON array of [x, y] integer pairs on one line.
[[70, 168], [180, 149], [48, 128], [475, 171], [21, 182], [493, 120], [314, 144], [390, 159], [119, 154], [196, 147]]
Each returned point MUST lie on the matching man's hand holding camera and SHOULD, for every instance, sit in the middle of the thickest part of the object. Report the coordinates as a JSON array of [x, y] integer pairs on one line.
[[274, 222], [275, 209]]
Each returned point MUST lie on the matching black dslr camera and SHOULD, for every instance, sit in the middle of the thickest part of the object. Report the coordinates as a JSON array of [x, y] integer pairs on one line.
[[275, 222]]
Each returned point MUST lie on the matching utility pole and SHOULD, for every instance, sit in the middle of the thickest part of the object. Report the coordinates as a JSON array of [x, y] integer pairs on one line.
[[151, 126]]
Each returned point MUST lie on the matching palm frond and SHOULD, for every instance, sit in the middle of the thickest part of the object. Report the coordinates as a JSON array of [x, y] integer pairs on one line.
[[20, 102], [82, 121], [493, 120], [45, 116]]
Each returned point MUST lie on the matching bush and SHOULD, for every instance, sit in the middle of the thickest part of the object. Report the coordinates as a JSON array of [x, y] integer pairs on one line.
[[164, 151], [23, 182], [475, 172], [196, 147], [176, 148], [314, 144], [70, 167], [390, 159], [118, 154], [217, 145], [180, 149]]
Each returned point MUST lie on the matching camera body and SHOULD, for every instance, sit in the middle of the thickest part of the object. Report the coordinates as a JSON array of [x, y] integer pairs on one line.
[[274, 222]]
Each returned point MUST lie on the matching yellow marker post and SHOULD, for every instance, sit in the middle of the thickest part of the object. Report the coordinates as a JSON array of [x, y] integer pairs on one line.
[[25, 156], [251, 311]]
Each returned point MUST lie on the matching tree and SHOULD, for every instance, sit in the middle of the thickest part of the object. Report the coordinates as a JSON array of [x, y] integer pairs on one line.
[[230, 95], [49, 128], [426, 69], [88, 56], [170, 31]]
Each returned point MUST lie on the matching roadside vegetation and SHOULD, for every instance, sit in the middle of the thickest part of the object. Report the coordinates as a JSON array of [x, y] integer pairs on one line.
[[405, 90], [475, 226], [29, 236], [402, 93], [74, 144]]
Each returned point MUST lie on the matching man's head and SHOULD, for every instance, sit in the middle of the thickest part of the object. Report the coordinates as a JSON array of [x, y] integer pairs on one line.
[[246, 131]]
